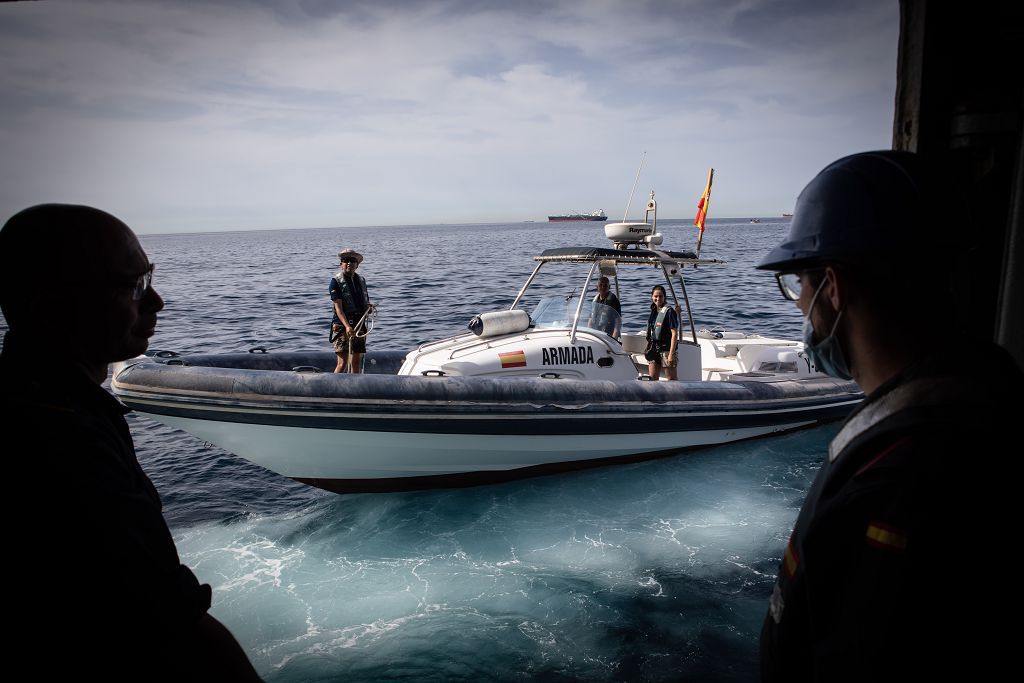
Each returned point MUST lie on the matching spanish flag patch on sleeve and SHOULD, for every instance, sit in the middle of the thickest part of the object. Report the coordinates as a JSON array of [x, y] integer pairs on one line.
[[513, 359], [886, 537], [790, 559]]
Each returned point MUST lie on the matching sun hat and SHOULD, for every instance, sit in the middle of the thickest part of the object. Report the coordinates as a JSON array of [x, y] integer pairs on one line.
[[350, 253]]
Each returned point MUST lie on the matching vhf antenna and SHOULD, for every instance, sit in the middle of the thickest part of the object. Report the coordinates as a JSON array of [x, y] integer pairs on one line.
[[630, 200]]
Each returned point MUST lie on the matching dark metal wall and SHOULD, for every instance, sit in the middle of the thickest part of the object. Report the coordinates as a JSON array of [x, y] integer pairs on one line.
[[960, 99]]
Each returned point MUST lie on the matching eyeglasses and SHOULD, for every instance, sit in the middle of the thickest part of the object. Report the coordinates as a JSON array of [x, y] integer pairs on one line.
[[143, 283], [792, 284], [349, 259], [138, 285]]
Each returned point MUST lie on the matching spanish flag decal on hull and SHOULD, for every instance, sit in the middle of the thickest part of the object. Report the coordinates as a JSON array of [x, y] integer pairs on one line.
[[513, 359]]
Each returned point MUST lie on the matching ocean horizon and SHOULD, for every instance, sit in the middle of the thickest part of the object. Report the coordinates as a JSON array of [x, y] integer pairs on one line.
[[501, 224]]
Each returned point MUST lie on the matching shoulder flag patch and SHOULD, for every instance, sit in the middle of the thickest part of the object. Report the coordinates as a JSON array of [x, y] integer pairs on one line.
[[513, 359], [790, 559], [886, 537]]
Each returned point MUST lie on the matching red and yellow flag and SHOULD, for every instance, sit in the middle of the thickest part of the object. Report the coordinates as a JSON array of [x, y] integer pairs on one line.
[[790, 559], [703, 205], [513, 359], [882, 535]]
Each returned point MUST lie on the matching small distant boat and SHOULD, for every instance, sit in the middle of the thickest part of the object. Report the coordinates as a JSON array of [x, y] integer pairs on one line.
[[598, 215], [755, 220], [787, 215]]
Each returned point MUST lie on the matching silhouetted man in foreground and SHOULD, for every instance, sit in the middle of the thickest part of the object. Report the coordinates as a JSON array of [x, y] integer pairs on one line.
[[95, 586], [895, 568]]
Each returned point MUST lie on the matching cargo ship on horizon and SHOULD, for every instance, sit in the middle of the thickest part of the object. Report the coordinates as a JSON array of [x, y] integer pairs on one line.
[[598, 215]]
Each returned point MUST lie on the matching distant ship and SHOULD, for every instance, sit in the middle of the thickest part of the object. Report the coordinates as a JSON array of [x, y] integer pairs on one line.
[[787, 215], [598, 215]]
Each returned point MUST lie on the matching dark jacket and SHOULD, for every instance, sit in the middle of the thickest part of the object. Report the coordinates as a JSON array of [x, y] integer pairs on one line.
[[99, 579], [887, 574]]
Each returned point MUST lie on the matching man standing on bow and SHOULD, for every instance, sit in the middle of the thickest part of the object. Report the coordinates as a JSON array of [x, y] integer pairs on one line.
[[351, 302], [889, 572]]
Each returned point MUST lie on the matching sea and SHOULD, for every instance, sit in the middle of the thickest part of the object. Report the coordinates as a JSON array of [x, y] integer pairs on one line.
[[651, 571]]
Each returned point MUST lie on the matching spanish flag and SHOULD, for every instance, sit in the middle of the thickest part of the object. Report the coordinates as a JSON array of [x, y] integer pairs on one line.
[[513, 359], [702, 208], [887, 537], [790, 559]]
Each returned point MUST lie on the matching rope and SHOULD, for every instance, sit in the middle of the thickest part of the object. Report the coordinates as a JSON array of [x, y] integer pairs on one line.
[[367, 318]]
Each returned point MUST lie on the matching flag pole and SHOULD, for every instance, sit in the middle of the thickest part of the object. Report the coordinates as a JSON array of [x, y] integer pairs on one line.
[[702, 209]]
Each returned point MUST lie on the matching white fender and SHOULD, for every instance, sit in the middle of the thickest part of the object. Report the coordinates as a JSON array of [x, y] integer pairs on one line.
[[499, 322]]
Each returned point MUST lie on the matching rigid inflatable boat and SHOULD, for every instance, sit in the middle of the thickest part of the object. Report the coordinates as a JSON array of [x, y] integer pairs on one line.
[[523, 392]]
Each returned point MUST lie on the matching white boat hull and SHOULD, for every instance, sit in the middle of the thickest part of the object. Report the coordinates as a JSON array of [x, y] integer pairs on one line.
[[348, 433], [302, 453]]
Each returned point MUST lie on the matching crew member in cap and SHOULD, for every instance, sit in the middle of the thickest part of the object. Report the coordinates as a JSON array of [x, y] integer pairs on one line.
[[351, 301], [892, 571]]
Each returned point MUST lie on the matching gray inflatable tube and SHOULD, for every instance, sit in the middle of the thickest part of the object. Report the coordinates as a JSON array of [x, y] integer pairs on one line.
[[306, 379]]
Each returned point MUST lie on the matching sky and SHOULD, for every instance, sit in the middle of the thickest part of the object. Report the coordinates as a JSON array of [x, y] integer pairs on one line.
[[183, 116]]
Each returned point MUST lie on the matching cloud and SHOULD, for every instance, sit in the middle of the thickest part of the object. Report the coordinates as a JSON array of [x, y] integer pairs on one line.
[[230, 115]]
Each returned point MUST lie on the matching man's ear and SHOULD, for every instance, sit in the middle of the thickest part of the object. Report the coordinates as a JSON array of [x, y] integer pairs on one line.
[[835, 289]]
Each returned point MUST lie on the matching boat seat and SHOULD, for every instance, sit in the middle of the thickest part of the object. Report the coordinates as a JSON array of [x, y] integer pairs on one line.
[[633, 342], [688, 366], [755, 358]]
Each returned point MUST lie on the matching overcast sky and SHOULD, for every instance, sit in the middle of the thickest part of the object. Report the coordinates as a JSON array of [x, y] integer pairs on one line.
[[194, 116]]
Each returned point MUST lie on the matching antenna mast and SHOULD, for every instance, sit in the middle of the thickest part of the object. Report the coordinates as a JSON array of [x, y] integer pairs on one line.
[[629, 201]]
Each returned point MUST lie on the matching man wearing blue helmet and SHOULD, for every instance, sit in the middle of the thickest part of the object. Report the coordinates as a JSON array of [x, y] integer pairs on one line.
[[880, 578]]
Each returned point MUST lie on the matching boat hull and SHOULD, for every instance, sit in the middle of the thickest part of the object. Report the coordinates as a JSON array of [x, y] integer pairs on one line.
[[566, 219], [346, 460], [381, 432]]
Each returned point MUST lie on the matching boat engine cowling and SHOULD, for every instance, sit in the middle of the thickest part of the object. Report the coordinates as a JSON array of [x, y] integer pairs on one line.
[[499, 322]]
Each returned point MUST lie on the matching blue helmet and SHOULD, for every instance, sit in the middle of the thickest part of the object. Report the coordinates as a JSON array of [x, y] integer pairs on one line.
[[861, 210]]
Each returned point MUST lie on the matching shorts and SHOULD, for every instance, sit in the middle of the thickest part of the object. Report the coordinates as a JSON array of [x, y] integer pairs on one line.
[[341, 341], [665, 360]]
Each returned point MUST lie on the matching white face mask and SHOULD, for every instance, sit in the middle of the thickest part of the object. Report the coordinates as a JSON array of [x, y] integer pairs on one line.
[[827, 355]]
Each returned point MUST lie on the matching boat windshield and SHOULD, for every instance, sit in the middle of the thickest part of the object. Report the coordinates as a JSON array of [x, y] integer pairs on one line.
[[560, 312]]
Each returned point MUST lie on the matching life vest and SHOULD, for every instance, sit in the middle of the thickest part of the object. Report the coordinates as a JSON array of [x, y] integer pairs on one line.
[[349, 305], [654, 330]]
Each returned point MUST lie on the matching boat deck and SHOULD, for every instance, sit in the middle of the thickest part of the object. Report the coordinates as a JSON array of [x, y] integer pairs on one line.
[[727, 355]]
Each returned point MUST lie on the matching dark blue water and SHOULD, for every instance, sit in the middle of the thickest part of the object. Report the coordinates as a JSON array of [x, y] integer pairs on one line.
[[650, 572]]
